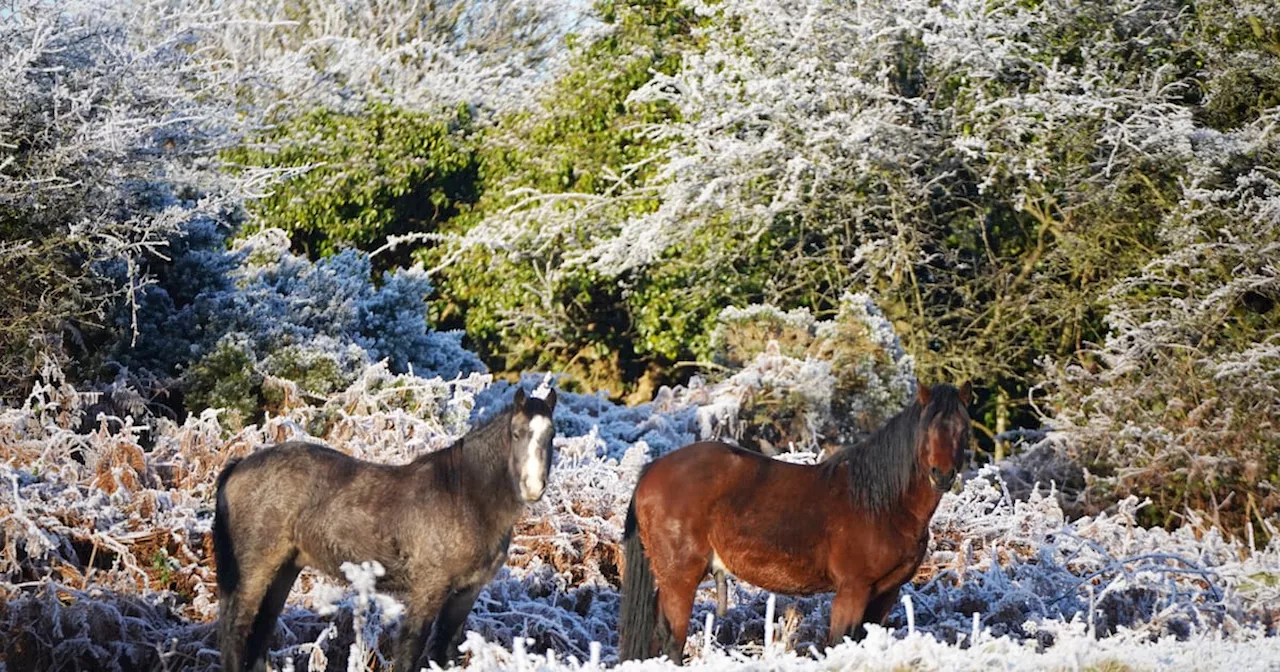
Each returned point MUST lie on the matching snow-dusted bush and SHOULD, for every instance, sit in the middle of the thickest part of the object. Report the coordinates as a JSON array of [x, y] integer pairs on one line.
[[236, 324], [800, 382]]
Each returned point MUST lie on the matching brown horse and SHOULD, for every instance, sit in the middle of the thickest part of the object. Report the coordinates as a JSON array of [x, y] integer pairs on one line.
[[856, 524]]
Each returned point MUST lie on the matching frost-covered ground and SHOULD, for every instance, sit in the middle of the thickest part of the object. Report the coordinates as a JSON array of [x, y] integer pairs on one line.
[[107, 563]]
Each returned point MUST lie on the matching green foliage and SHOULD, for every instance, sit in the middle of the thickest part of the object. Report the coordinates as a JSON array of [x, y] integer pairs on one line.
[[1243, 45], [227, 379], [384, 172], [677, 301]]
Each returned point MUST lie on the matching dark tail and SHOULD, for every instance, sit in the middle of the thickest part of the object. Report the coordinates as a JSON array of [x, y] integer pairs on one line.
[[228, 570], [639, 617]]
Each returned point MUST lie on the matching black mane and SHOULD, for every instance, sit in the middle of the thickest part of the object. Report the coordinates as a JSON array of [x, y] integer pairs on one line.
[[881, 467]]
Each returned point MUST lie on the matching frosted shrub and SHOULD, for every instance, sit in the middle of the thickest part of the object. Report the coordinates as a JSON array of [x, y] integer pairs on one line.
[[238, 325], [807, 382]]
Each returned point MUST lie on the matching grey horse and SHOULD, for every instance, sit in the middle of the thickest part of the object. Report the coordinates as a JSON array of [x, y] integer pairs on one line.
[[439, 525]]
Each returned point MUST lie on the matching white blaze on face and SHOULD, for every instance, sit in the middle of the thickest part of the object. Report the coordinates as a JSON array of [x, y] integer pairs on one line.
[[533, 472]]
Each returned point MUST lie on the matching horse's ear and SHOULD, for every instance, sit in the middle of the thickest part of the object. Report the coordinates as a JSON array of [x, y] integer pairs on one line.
[[551, 400], [923, 393], [966, 393], [520, 399]]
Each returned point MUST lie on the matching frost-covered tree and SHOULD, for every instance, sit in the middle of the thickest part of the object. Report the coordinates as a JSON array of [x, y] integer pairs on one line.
[[988, 170], [117, 124], [107, 131], [1181, 402]]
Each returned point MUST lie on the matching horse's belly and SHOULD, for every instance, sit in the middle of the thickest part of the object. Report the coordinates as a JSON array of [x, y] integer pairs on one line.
[[779, 573]]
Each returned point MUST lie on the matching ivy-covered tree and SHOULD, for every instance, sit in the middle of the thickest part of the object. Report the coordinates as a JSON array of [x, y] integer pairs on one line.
[[365, 177], [988, 170]]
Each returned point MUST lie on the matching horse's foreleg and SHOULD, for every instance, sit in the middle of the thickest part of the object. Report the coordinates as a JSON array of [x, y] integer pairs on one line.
[[452, 617], [878, 609], [422, 607], [722, 594], [847, 610]]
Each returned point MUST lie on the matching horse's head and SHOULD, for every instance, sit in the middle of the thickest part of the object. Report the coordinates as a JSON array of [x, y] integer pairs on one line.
[[944, 431], [531, 434]]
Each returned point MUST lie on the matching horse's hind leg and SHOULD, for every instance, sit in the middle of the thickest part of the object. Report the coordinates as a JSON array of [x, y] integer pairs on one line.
[[240, 614], [675, 599], [451, 619], [237, 614], [846, 611], [230, 636], [264, 624]]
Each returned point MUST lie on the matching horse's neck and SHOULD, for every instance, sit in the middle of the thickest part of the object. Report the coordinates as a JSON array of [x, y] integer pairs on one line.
[[918, 505], [487, 469]]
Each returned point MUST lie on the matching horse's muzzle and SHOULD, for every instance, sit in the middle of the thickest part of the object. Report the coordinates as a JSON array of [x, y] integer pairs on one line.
[[942, 482], [532, 492]]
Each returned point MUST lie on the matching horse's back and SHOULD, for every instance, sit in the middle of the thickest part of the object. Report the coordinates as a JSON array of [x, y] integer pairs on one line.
[[328, 506], [712, 469], [712, 480], [275, 486]]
